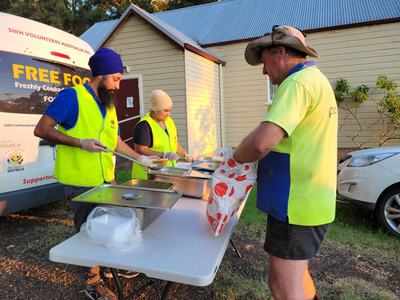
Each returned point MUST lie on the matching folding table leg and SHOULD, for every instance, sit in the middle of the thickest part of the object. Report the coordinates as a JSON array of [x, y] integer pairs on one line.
[[236, 250], [166, 290], [118, 284]]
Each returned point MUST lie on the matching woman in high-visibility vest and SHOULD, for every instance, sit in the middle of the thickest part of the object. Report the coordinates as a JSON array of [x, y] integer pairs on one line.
[[156, 134]]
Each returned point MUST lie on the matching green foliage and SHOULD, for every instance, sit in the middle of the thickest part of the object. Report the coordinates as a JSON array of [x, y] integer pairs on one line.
[[76, 16], [390, 103], [174, 4], [343, 89], [51, 12], [383, 82], [388, 107], [360, 94], [5, 5]]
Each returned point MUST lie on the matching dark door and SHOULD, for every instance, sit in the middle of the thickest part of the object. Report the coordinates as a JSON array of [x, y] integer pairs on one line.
[[128, 109]]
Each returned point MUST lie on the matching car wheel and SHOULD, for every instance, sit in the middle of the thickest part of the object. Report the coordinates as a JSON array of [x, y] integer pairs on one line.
[[388, 211]]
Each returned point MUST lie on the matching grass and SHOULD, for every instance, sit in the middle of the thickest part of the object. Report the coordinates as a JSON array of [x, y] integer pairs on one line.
[[354, 233], [353, 227], [357, 229], [351, 288]]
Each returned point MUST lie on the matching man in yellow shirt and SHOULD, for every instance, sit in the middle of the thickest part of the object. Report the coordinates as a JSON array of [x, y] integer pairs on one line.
[[296, 146]]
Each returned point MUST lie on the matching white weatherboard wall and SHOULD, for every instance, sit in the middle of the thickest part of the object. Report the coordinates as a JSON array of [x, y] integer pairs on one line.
[[203, 99], [244, 94], [360, 55], [357, 54]]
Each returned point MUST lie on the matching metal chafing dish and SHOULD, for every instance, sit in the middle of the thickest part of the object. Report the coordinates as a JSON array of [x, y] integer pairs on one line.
[[150, 185], [149, 198], [206, 165], [191, 183]]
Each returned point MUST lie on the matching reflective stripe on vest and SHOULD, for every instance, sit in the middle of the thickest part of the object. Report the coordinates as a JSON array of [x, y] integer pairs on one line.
[[78, 167], [162, 142]]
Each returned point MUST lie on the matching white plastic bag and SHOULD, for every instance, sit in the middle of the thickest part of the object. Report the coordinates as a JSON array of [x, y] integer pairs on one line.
[[113, 227], [231, 184]]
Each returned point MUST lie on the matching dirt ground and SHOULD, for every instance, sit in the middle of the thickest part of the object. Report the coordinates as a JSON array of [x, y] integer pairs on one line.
[[26, 272]]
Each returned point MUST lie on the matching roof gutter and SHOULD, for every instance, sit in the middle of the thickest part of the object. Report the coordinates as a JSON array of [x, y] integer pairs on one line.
[[321, 29], [132, 10], [204, 54]]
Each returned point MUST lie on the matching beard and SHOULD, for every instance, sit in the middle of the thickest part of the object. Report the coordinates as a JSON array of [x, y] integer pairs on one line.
[[106, 96]]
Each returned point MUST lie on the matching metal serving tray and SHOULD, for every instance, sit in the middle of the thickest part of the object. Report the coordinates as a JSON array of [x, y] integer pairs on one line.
[[190, 183], [128, 196], [178, 172], [205, 165], [150, 185], [149, 199]]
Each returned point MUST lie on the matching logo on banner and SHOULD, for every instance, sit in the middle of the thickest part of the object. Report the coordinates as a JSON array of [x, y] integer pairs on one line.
[[15, 159]]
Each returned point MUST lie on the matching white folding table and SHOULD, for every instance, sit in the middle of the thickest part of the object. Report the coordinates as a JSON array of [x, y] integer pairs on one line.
[[177, 247]]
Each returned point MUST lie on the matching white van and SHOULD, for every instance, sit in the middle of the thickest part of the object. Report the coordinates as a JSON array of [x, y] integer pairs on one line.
[[36, 62]]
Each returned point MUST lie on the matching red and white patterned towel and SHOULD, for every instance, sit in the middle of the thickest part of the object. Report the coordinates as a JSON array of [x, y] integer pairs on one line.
[[231, 183]]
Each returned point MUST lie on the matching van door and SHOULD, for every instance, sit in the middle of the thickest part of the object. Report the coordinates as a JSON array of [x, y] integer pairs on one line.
[[27, 86]]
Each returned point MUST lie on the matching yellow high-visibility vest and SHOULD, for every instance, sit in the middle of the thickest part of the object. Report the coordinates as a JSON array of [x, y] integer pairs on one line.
[[162, 142], [78, 167]]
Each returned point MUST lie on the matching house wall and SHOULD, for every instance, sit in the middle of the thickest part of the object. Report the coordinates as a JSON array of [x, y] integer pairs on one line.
[[203, 109], [160, 62], [360, 55], [245, 93], [356, 54]]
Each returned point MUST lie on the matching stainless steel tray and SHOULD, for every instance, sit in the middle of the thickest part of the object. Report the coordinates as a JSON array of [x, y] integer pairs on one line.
[[150, 185], [170, 171], [209, 166], [182, 173], [122, 195], [190, 183]]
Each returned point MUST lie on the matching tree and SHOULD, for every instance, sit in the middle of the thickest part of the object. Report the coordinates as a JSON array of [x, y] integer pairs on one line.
[[76, 16], [388, 107], [173, 4], [5, 5], [51, 12]]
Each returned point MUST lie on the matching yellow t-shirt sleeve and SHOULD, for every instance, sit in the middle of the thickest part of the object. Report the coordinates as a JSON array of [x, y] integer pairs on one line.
[[289, 106]]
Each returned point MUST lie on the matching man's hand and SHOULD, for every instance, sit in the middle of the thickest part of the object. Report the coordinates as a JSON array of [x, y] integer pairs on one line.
[[171, 156], [91, 145], [189, 158], [147, 161]]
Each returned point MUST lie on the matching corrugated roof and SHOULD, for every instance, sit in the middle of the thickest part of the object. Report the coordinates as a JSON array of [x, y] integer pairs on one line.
[[232, 20], [99, 34]]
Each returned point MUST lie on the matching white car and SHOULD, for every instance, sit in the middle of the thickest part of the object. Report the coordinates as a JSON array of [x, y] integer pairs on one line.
[[372, 177]]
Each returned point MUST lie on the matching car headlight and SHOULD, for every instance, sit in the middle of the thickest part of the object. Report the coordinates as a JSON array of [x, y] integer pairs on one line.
[[367, 160]]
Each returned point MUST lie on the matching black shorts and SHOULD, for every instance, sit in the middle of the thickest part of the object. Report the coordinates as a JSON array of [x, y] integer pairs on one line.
[[295, 242]]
